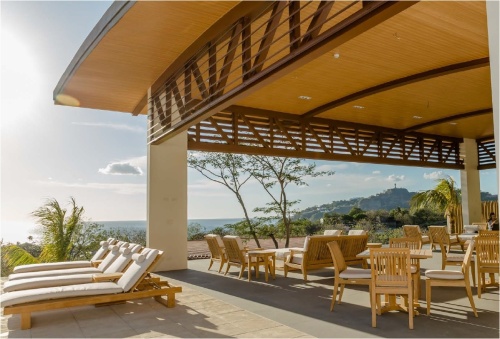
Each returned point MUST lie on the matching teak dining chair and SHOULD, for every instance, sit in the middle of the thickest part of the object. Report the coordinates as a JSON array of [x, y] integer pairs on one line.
[[391, 274], [217, 250], [345, 274], [488, 261], [451, 278], [412, 244], [440, 234]]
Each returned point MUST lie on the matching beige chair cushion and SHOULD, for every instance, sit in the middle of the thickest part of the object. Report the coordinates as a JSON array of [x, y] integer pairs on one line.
[[441, 274], [356, 232], [356, 273], [297, 259], [282, 253], [425, 238], [306, 243], [413, 269], [332, 232]]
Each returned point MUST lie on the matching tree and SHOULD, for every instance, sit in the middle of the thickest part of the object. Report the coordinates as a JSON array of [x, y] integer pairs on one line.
[[275, 174], [445, 197], [64, 237], [228, 170]]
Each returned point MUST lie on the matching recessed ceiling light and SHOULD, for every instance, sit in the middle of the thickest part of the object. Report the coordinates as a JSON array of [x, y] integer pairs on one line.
[[417, 117], [453, 123], [304, 97], [336, 55], [358, 107]]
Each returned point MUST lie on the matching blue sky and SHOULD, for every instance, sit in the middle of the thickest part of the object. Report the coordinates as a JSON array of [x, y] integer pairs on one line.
[[99, 157]]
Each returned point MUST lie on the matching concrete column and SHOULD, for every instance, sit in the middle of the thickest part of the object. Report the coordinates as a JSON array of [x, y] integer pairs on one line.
[[469, 181], [167, 201], [493, 15]]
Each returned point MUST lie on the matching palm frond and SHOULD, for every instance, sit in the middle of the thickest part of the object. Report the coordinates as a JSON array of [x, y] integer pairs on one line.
[[13, 256]]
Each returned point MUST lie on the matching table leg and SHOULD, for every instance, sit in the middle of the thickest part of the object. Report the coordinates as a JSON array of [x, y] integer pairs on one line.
[[249, 267], [266, 267], [274, 266]]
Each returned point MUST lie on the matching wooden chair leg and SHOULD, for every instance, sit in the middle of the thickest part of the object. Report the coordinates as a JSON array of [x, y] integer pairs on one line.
[[473, 271], [334, 297], [221, 265], [227, 268], [428, 295], [374, 313], [211, 263], [410, 308], [480, 282], [469, 295]]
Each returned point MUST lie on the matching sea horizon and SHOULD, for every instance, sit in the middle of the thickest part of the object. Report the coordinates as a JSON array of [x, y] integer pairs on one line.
[[15, 231]]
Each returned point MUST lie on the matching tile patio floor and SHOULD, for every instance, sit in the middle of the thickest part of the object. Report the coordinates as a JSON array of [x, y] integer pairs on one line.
[[214, 305]]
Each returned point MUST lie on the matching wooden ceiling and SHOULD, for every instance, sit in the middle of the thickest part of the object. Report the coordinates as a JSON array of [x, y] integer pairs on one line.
[[150, 37]]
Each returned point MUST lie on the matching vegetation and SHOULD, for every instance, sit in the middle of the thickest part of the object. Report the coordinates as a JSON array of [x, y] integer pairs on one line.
[[445, 197], [64, 237]]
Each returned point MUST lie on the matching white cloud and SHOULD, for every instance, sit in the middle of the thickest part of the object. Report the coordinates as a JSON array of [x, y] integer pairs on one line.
[[121, 127], [370, 178], [434, 175], [123, 188], [121, 169], [376, 172], [395, 178]]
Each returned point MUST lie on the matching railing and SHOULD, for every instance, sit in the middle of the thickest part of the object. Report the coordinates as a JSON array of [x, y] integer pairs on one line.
[[486, 153]]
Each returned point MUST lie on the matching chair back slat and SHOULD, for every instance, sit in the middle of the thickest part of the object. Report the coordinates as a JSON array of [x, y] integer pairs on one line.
[[234, 249], [391, 267]]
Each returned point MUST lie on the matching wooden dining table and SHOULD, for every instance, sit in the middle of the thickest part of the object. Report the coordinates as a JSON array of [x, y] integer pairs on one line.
[[391, 304]]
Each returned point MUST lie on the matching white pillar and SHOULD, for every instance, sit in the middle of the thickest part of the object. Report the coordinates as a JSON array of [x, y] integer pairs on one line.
[[493, 15], [167, 201], [469, 181]]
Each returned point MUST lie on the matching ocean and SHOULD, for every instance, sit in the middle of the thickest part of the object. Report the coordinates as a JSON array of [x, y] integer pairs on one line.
[[208, 224], [19, 231]]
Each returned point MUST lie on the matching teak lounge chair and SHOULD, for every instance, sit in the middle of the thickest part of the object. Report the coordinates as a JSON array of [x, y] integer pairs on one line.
[[112, 272], [110, 258], [99, 255], [135, 283]]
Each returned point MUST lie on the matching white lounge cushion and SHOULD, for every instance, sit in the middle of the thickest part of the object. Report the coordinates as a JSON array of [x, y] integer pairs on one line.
[[413, 269], [425, 238], [53, 273], [51, 266], [441, 274], [48, 293], [26, 284], [137, 268], [356, 273]]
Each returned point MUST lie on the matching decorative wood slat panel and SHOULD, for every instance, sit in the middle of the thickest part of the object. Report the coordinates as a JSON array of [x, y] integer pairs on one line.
[[287, 135], [254, 48], [486, 153]]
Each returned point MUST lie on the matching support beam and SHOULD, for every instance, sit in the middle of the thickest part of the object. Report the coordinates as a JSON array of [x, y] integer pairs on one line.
[[448, 119], [167, 202], [469, 181], [493, 15]]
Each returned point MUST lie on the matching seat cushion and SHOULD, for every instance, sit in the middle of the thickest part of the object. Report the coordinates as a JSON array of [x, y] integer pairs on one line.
[[51, 266], [442, 274], [27, 284], [48, 293], [356, 273], [53, 273], [282, 253], [297, 259]]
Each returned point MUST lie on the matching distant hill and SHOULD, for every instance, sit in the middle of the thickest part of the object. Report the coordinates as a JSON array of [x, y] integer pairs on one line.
[[387, 200]]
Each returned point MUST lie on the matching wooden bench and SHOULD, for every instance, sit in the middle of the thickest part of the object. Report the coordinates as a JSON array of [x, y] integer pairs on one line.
[[315, 253]]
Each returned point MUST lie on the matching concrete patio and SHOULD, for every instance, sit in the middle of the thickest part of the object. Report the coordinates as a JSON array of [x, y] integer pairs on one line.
[[214, 305]]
